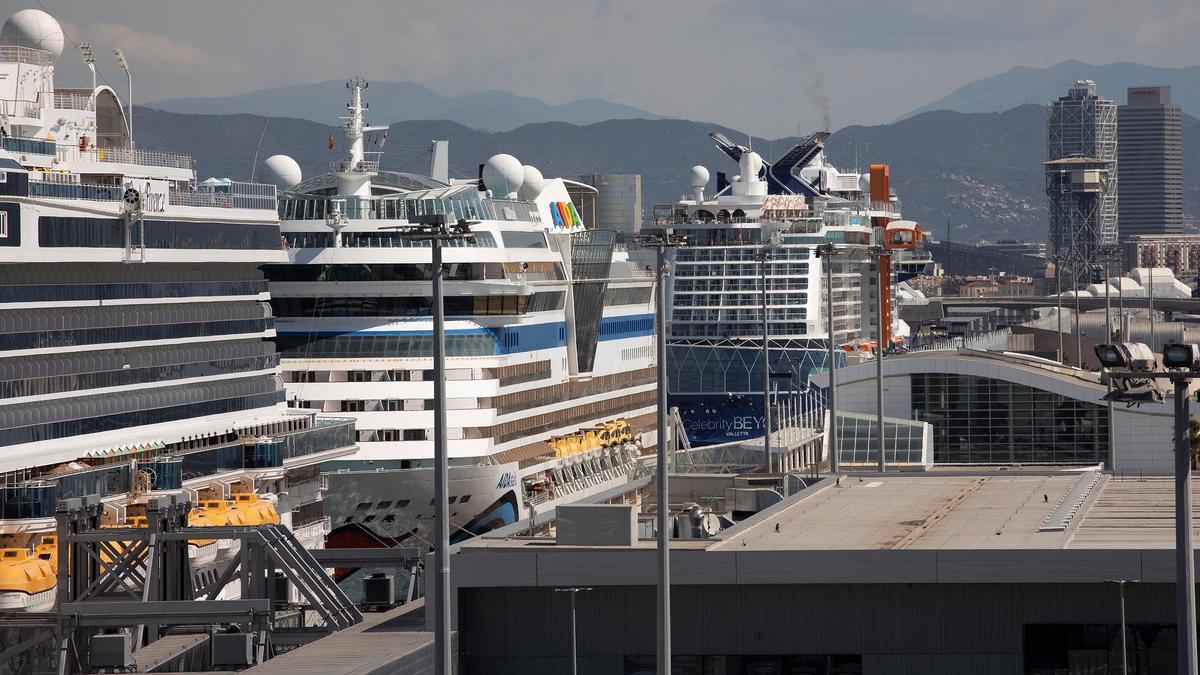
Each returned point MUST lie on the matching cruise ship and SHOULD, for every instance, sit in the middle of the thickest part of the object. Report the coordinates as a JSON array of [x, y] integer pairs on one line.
[[135, 329], [783, 210], [549, 347]]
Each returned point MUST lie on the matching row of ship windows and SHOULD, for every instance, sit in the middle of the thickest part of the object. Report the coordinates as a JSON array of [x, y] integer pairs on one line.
[[69, 292], [739, 299], [413, 271], [726, 331], [62, 231], [37, 386], [52, 430], [381, 240], [734, 285], [66, 338], [480, 305], [741, 270], [773, 314], [373, 346], [748, 254], [621, 326], [634, 353]]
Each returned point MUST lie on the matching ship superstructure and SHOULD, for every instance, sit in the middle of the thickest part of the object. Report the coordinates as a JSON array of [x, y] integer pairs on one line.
[[550, 379], [134, 355], [780, 211]]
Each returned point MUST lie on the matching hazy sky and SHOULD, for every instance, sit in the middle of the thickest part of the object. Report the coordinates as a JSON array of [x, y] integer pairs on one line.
[[770, 67]]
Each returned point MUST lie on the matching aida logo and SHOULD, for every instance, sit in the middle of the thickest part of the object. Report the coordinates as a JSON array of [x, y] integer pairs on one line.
[[508, 480], [564, 215]]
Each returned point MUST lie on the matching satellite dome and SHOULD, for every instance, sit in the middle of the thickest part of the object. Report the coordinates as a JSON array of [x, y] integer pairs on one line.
[[532, 183], [864, 183], [283, 171], [35, 29], [699, 176], [503, 175]]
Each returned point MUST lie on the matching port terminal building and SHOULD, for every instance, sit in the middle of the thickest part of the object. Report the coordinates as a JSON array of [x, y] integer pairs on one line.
[[991, 408], [972, 570]]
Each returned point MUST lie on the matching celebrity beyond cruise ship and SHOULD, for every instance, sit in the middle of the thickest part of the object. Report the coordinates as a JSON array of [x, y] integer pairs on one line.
[[134, 329], [550, 378], [785, 210]]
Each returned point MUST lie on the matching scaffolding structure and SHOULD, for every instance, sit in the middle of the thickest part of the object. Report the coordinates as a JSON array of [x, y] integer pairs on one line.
[[1082, 125]]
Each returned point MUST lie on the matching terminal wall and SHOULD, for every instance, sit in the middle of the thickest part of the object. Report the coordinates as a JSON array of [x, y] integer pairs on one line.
[[893, 628]]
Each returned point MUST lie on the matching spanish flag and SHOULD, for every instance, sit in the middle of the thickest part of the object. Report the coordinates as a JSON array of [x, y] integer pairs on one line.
[[331, 141]]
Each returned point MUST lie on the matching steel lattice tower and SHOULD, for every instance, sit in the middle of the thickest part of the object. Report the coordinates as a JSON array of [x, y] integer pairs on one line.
[[1082, 125]]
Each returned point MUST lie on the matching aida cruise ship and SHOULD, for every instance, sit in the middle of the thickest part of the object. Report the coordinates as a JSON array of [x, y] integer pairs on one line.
[[550, 378], [135, 327]]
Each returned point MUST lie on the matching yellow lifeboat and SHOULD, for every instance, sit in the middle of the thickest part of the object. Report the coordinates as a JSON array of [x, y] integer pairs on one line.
[[47, 549], [590, 441], [222, 513], [619, 431], [255, 509], [27, 583]]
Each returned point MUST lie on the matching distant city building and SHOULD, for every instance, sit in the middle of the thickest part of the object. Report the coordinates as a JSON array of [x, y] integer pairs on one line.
[[1081, 178], [1015, 247], [619, 202], [1150, 137], [1179, 252]]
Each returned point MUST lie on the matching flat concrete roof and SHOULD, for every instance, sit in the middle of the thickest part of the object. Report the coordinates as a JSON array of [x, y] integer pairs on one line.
[[937, 527]]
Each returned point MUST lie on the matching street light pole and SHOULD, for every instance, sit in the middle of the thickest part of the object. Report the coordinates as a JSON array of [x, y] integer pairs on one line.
[[1078, 331], [826, 251], [766, 357], [574, 640], [434, 229], [1108, 336], [661, 242], [1187, 368], [1185, 582], [1058, 299], [880, 260]]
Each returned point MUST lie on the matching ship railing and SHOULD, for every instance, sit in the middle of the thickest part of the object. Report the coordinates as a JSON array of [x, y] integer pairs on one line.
[[330, 435], [234, 195], [172, 160], [19, 54], [18, 107], [313, 529], [362, 166], [73, 101], [97, 193], [28, 146]]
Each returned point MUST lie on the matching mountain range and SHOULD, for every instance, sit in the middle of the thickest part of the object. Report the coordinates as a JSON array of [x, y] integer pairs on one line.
[[1042, 85], [401, 101], [980, 173]]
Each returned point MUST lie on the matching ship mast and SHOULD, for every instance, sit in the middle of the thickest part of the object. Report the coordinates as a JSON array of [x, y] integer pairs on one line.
[[354, 173]]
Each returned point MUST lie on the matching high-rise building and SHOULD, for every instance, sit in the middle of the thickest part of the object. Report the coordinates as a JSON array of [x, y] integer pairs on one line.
[[1150, 135], [618, 202], [1081, 178]]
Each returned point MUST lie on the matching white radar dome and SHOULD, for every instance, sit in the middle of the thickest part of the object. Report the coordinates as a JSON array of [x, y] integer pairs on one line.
[[699, 176], [35, 29], [282, 171], [864, 183], [532, 183], [503, 175]]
